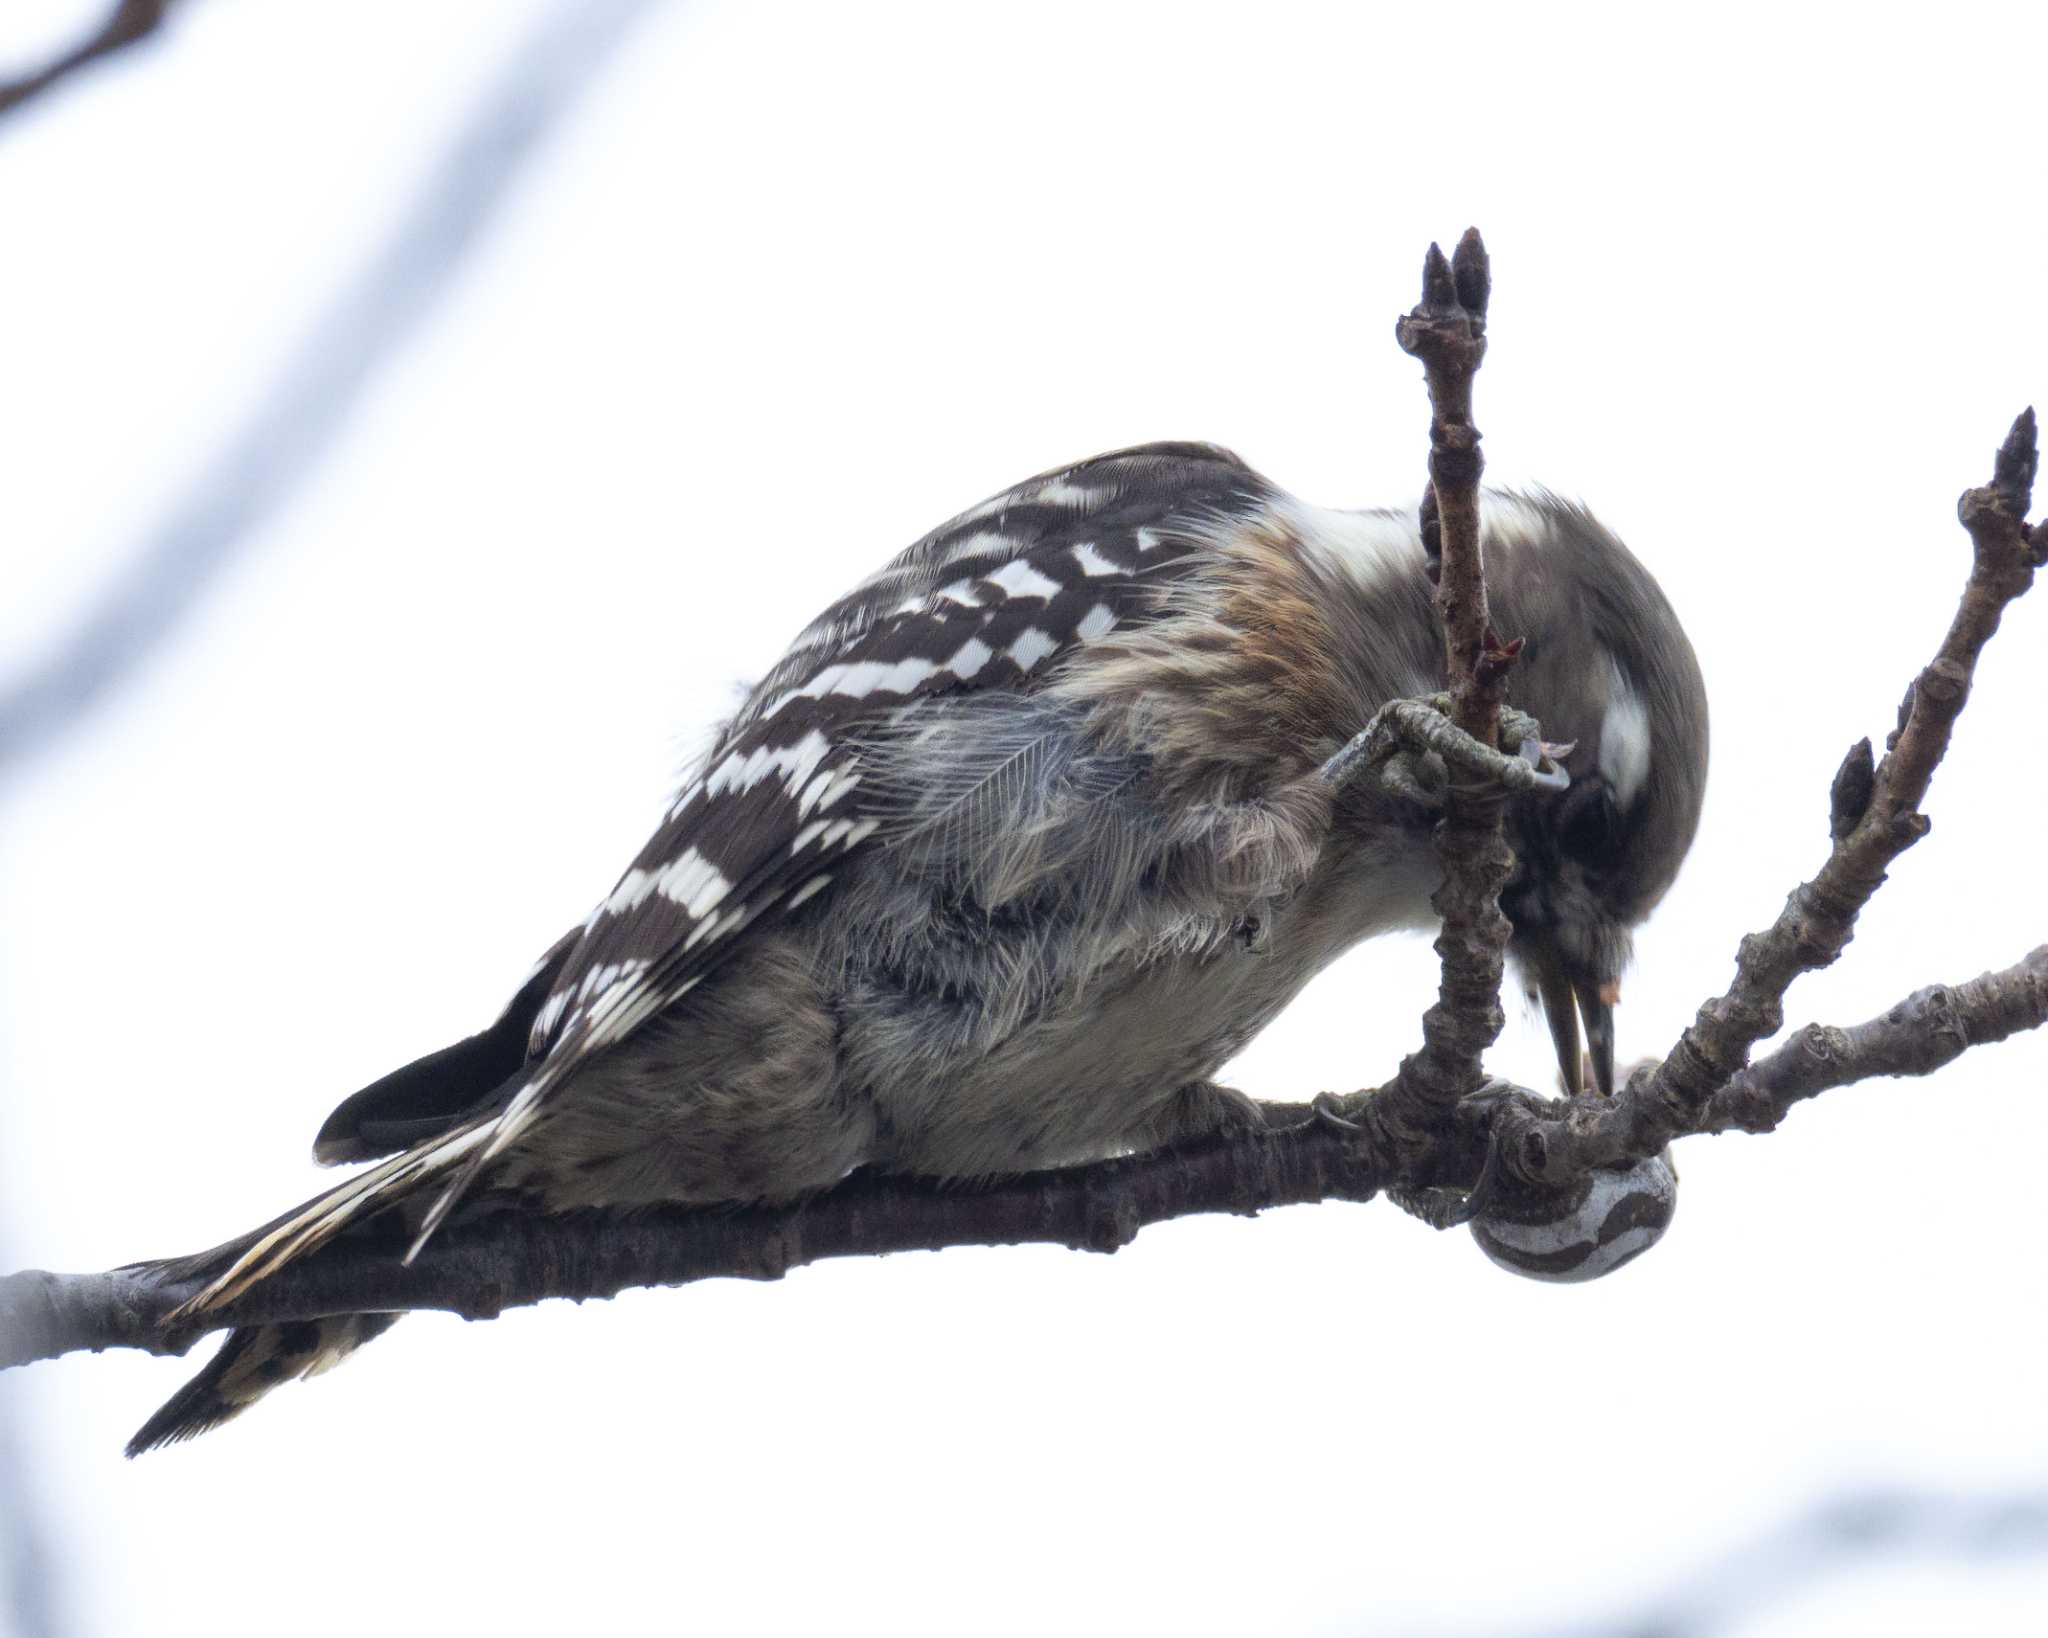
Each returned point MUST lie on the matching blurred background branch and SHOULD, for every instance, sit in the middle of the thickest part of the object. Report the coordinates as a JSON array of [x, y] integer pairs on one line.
[[1858, 1530], [32, 1590], [297, 417], [130, 20], [293, 423]]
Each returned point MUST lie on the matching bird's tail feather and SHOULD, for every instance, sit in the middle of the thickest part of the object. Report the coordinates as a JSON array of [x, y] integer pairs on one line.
[[256, 1358], [317, 1221], [253, 1360]]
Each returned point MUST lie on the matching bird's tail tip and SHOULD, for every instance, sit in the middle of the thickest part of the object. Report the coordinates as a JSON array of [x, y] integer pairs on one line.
[[253, 1360]]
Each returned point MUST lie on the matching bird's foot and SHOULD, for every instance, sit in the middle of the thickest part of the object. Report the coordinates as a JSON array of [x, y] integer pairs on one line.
[[1444, 1208], [1327, 1109], [1203, 1109], [1418, 752]]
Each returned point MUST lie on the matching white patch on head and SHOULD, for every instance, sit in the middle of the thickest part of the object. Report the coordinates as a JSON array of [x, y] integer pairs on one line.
[[1507, 521], [1095, 622], [1018, 579], [1149, 540], [1369, 547], [1624, 738], [1092, 563], [1385, 541], [1031, 646]]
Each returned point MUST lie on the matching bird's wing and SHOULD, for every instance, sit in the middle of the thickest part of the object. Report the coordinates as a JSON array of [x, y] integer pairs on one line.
[[992, 600]]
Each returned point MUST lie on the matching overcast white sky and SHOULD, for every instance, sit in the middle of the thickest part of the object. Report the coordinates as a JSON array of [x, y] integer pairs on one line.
[[797, 282]]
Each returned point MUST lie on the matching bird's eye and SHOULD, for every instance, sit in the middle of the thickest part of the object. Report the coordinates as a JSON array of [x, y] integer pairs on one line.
[[1587, 825]]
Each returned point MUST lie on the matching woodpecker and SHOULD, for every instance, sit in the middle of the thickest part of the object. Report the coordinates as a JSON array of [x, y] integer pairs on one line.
[[1021, 840]]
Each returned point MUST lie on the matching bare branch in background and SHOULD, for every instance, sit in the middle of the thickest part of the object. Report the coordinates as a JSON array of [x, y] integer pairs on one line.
[[130, 20], [262, 465], [1852, 1533], [34, 1595], [300, 415]]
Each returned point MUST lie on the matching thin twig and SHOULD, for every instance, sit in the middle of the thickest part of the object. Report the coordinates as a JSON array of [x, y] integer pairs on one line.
[[130, 20], [1927, 1031], [305, 408], [1447, 332], [1673, 1098]]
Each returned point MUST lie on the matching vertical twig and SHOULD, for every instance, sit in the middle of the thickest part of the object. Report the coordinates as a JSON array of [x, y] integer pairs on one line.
[[1447, 332]]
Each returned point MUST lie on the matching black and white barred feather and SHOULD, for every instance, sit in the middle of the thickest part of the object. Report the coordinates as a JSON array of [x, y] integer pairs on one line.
[[1020, 841], [990, 601]]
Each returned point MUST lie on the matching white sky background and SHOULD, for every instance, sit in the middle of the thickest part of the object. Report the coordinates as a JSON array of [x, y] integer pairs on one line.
[[798, 283]]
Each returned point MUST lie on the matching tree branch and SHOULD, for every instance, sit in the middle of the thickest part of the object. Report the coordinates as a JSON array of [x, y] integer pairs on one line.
[[1447, 332], [130, 20], [1415, 1134], [306, 406], [514, 1259], [1927, 1031], [1874, 817]]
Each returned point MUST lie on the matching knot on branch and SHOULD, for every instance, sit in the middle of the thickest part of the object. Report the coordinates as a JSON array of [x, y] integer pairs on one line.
[[1930, 1023], [1945, 681]]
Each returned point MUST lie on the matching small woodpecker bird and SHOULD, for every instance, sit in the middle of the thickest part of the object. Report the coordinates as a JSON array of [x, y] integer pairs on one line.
[[1020, 842]]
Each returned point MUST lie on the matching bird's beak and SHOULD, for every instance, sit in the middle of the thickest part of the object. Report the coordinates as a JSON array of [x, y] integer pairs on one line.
[[1568, 1000]]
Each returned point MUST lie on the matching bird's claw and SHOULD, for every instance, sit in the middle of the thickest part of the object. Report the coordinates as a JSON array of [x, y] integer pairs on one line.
[[1327, 1108], [1408, 741], [1417, 780], [1444, 1208]]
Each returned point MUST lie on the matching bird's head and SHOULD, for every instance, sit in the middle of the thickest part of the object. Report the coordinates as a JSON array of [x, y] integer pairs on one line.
[[1608, 668]]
